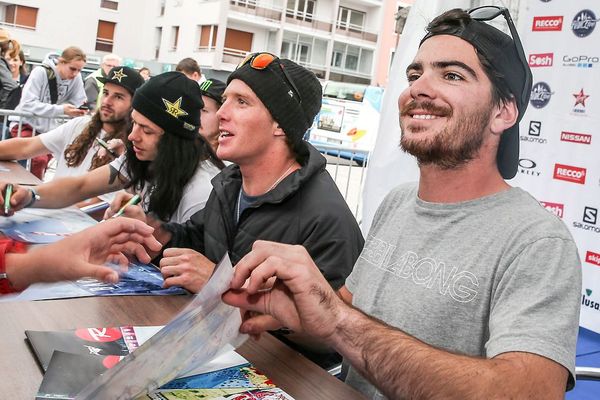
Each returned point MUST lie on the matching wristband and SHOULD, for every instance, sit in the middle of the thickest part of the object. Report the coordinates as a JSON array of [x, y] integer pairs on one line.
[[34, 197], [8, 246]]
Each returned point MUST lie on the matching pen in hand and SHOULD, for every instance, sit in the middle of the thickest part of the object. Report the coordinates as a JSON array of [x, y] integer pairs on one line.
[[132, 202], [105, 145], [9, 190]]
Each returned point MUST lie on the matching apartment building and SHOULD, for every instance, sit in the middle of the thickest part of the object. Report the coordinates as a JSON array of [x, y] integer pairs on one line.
[[337, 39]]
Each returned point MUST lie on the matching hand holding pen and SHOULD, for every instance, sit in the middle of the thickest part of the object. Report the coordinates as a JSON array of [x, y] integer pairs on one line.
[[131, 202], [7, 195]]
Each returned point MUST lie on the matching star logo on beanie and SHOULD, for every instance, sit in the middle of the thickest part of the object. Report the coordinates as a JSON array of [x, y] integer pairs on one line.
[[118, 75], [174, 108]]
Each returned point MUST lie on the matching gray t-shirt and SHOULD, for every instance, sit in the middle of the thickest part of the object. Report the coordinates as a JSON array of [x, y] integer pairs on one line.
[[482, 277]]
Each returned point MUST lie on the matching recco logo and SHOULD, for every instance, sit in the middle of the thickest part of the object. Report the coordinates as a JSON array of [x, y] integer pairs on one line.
[[576, 137], [555, 208], [569, 173], [592, 258], [550, 23], [541, 60]]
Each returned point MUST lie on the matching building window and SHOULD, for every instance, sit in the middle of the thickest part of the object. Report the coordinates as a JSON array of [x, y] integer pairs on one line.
[[351, 19], [244, 3], [300, 9], [109, 4], [157, 40], [299, 52], [208, 37], [20, 16], [161, 10], [174, 37], [105, 36], [238, 42]]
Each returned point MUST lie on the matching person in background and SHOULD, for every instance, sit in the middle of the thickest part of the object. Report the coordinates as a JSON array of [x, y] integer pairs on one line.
[[18, 68], [93, 84], [166, 162], [190, 68], [55, 88], [145, 73], [7, 82], [75, 144], [467, 288], [212, 95], [77, 256]]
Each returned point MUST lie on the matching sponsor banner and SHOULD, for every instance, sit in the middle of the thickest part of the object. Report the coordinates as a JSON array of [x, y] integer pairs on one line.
[[569, 173], [548, 23], [555, 208], [592, 258], [575, 137], [584, 23], [540, 95], [580, 60], [541, 60]]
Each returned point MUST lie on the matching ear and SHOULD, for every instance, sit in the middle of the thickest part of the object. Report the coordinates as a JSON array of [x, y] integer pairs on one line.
[[277, 131], [505, 116]]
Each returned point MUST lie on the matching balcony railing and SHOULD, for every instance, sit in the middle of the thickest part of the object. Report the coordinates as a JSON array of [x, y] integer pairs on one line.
[[110, 4], [233, 56], [356, 31], [251, 7], [104, 45], [306, 20]]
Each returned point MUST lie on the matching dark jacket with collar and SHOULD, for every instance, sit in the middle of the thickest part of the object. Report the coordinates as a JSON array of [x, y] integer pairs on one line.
[[305, 208]]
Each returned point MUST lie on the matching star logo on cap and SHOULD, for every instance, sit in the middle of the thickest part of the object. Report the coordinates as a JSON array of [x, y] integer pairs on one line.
[[580, 97], [174, 108], [118, 75]]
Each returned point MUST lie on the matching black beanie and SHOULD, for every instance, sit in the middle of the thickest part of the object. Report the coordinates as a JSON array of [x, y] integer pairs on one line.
[[173, 102], [214, 89], [272, 88]]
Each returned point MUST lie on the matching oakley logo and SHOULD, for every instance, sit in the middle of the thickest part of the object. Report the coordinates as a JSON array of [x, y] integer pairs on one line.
[[541, 60], [550, 23], [569, 173], [575, 137], [584, 23], [590, 215], [592, 258], [555, 208], [540, 95]]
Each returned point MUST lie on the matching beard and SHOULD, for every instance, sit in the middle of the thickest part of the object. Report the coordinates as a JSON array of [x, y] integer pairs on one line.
[[451, 147]]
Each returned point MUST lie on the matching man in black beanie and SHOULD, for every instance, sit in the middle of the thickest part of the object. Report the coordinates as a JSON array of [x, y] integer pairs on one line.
[[212, 95], [166, 161], [278, 188]]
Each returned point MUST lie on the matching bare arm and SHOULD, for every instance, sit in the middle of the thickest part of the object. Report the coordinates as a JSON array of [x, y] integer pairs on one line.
[[399, 365], [21, 148], [68, 191]]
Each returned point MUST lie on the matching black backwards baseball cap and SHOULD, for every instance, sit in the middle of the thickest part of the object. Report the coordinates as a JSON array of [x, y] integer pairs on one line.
[[173, 102], [290, 92], [214, 89], [506, 56], [125, 77]]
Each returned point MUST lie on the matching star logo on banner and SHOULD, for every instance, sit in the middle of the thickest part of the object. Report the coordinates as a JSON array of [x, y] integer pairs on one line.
[[174, 108], [580, 98], [118, 75]]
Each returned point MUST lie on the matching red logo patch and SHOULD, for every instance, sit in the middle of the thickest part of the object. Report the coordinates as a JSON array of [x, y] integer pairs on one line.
[[555, 208], [576, 137], [541, 60], [99, 334], [569, 173], [592, 258], [549, 23]]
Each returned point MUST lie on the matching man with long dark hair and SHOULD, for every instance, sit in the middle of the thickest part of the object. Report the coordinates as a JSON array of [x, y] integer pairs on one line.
[[467, 288], [75, 144], [166, 161]]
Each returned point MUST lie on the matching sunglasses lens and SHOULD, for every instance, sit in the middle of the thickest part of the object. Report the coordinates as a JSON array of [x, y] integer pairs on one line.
[[485, 14], [262, 61]]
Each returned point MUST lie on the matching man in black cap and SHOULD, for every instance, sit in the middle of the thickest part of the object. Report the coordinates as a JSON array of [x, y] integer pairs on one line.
[[212, 95], [278, 188], [467, 288], [166, 161], [76, 144]]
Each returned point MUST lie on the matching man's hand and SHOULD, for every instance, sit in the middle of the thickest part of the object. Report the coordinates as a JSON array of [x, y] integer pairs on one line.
[[73, 111], [186, 268], [21, 196], [300, 299], [82, 254]]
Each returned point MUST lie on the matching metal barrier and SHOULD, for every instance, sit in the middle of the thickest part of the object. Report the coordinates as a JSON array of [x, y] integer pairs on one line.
[[17, 118], [347, 166]]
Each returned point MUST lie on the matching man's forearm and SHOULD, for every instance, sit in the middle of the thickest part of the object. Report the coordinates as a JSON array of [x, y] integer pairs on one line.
[[402, 366]]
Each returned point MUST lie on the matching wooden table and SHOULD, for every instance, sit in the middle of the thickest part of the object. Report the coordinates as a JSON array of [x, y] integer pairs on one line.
[[13, 172], [20, 375]]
